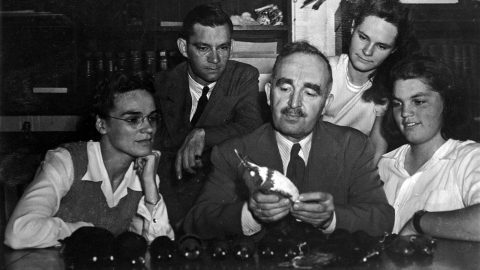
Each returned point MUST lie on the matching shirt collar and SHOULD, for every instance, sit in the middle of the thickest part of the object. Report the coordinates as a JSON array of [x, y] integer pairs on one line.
[[446, 151], [395, 154], [356, 88], [96, 172], [285, 145], [197, 87]]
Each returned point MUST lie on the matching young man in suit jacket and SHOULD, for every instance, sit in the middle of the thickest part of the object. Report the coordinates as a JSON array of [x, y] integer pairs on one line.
[[340, 186], [204, 100]]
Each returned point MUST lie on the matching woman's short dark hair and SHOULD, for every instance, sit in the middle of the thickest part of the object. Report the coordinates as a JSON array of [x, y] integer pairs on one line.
[[440, 78], [206, 15], [396, 13], [118, 83]]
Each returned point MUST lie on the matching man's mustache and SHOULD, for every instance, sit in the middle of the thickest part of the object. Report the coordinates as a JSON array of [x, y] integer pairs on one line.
[[298, 112]]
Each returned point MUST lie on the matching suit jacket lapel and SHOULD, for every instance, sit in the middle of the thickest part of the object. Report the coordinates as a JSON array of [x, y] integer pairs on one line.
[[267, 150], [322, 166], [217, 95]]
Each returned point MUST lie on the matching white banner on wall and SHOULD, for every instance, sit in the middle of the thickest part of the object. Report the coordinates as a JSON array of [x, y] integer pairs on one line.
[[429, 1], [315, 26]]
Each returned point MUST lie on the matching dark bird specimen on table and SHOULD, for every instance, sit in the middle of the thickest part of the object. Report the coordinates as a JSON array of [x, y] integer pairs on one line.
[[130, 249], [89, 247], [219, 249], [268, 247], [190, 247], [243, 249], [162, 249]]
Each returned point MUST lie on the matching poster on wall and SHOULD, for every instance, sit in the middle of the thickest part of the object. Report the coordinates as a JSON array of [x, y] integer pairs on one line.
[[315, 25], [429, 1]]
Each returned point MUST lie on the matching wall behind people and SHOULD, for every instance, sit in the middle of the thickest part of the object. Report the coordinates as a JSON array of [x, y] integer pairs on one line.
[[99, 26]]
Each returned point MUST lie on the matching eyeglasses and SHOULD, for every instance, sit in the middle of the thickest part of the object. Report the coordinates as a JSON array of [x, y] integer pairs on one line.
[[136, 121]]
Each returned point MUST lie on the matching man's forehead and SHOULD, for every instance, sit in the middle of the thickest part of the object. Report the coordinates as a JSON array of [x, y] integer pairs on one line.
[[301, 65], [205, 32]]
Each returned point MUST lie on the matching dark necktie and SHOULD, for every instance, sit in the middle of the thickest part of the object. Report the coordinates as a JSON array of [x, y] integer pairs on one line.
[[296, 166], [202, 102]]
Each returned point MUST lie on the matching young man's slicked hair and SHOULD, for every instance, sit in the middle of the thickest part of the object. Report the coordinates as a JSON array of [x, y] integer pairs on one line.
[[206, 15]]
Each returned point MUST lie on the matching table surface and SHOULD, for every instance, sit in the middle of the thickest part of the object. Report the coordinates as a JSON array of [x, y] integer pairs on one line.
[[448, 254]]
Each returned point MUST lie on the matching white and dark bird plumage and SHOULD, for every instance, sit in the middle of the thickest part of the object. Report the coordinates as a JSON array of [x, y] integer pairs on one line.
[[268, 180]]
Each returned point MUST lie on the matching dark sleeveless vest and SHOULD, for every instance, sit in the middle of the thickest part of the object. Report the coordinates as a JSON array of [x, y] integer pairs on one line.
[[85, 200]]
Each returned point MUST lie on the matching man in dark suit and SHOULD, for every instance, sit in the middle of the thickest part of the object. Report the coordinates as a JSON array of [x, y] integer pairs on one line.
[[204, 101], [339, 185]]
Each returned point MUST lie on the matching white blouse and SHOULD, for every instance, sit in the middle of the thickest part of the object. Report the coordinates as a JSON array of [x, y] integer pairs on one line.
[[450, 180]]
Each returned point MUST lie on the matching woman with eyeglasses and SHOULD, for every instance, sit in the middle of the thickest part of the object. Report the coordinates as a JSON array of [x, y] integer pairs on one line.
[[110, 183]]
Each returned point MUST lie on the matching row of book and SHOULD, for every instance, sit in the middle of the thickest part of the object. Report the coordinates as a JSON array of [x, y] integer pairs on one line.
[[100, 64]]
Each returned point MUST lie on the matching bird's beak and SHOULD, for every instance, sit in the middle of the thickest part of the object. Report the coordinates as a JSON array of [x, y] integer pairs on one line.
[[243, 161]]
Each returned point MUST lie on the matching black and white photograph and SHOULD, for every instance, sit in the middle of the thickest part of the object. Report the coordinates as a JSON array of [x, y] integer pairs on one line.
[[230, 134]]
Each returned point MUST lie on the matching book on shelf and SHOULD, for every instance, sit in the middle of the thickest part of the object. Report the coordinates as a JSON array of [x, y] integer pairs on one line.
[[51, 90], [448, 54], [170, 23], [457, 59]]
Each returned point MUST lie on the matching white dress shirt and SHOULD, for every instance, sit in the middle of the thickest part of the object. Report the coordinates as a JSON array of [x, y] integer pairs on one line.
[[196, 90], [449, 180], [33, 224], [249, 225]]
